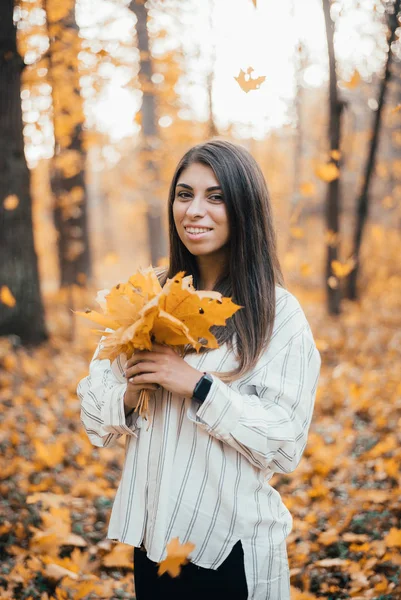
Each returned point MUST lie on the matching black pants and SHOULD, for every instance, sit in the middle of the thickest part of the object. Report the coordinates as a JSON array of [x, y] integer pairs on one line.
[[194, 583]]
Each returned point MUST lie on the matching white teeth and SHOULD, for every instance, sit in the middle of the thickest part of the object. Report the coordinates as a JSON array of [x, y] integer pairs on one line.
[[196, 230]]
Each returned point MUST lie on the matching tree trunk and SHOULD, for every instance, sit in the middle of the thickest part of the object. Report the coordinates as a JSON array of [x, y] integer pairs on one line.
[[363, 199], [150, 141], [18, 264], [333, 191], [68, 168], [298, 144]]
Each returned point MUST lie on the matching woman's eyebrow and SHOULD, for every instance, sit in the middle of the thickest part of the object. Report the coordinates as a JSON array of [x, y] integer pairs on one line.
[[209, 189]]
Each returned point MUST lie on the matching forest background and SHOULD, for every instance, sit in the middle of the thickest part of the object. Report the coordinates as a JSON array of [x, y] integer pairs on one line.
[[99, 99]]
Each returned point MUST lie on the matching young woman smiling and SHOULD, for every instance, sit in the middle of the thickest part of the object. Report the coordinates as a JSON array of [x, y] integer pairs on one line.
[[222, 421]]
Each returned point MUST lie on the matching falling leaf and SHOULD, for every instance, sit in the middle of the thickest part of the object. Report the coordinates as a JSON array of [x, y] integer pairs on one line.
[[246, 82], [341, 270], [11, 202], [6, 296], [254, 3], [336, 154], [177, 556], [327, 172], [396, 108], [332, 282], [354, 81], [307, 189]]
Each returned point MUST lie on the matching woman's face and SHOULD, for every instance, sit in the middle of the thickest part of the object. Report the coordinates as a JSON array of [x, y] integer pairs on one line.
[[199, 204]]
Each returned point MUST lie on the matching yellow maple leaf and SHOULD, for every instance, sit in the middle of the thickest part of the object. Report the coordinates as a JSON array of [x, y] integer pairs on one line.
[[336, 154], [246, 82], [177, 556], [141, 312], [197, 310], [327, 171]]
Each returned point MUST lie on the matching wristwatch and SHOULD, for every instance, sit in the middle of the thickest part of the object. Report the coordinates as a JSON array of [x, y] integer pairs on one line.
[[202, 388]]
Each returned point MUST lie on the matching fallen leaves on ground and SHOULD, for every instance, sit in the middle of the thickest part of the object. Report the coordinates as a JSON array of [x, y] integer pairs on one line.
[[56, 489]]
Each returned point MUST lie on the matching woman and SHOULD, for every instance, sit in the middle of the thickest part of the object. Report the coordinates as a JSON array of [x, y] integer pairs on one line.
[[222, 421]]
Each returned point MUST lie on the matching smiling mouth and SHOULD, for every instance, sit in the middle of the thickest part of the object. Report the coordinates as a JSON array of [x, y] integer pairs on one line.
[[196, 230]]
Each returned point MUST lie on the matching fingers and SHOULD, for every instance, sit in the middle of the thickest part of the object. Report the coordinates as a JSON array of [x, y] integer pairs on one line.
[[149, 354], [142, 379], [141, 367], [137, 357]]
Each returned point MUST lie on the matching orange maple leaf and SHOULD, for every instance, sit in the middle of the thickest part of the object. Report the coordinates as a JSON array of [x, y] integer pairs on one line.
[[177, 556], [246, 82], [141, 312], [393, 538]]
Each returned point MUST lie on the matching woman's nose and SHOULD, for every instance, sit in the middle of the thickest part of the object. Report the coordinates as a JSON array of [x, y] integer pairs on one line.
[[196, 207]]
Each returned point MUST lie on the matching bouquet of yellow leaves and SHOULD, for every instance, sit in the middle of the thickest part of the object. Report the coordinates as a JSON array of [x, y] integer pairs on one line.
[[141, 312]]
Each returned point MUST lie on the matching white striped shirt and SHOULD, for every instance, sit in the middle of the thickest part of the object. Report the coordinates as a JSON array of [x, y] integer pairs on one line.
[[201, 473]]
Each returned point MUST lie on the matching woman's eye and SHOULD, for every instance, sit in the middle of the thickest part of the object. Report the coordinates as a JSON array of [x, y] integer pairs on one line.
[[216, 197], [184, 195]]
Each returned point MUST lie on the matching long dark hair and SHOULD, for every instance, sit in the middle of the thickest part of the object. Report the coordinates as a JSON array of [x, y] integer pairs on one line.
[[253, 268]]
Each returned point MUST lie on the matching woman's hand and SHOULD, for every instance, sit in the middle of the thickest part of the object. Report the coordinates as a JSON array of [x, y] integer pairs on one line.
[[132, 393], [162, 366]]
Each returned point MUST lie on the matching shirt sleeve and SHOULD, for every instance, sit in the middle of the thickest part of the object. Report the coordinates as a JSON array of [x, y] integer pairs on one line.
[[270, 426], [102, 402]]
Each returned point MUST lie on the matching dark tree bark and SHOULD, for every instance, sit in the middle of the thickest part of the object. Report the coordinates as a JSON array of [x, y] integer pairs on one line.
[[150, 141], [333, 201], [18, 264], [363, 198], [68, 168]]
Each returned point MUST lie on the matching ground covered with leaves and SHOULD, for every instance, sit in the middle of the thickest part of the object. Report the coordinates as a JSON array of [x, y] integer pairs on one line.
[[57, 490]]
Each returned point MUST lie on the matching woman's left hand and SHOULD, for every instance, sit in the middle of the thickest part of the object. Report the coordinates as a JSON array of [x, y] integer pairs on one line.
[[164, 366]]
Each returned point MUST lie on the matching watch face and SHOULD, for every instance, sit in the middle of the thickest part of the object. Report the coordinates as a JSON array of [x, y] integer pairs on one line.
[[203, 387]]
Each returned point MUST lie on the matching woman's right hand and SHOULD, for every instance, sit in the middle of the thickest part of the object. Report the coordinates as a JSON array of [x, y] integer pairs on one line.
[[132, 393]]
